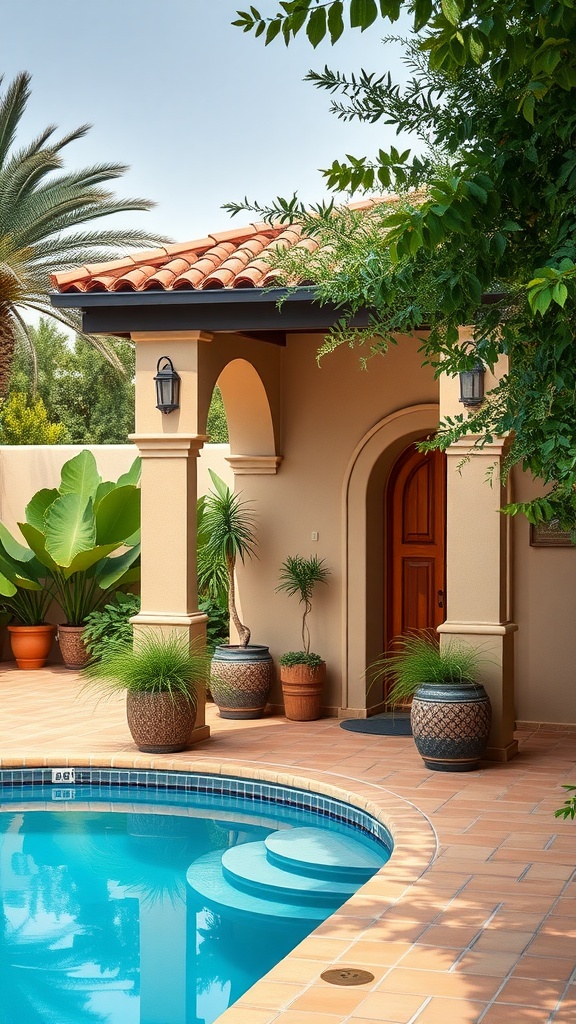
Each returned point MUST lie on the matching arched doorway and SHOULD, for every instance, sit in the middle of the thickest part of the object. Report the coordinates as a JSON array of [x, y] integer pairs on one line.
[[415, 549]]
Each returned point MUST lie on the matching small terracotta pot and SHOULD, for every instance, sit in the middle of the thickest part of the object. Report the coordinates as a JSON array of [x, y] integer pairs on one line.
[[302, 688], [31, 644], [160, 723], [72, 646]]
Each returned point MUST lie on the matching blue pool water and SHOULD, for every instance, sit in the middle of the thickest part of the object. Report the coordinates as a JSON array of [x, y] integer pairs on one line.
[[158, 909]]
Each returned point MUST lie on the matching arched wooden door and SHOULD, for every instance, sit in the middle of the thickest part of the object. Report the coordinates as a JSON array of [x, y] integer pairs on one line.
[[416, 543]]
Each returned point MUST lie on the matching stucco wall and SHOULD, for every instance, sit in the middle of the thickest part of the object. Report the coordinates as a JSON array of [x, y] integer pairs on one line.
[[24, 469], [325, 413], [544, 606]]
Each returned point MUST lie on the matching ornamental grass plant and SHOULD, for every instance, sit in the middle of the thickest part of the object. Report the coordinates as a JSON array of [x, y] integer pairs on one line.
[[153, 663], [418, 658]]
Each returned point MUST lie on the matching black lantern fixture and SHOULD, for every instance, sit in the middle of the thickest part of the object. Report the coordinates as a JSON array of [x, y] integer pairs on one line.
[[167, 386], [472, 385]]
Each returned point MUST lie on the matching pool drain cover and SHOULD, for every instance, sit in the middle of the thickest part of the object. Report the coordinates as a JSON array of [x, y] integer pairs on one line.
[[347, 976]]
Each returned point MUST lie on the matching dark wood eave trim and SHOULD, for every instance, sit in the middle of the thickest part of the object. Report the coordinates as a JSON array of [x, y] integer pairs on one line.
[[248, 310]]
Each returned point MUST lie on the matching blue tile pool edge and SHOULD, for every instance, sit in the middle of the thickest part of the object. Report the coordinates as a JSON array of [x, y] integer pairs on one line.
[[203, 782]]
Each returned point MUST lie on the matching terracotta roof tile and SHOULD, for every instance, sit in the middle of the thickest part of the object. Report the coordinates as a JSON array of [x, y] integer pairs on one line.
[[235, 258]]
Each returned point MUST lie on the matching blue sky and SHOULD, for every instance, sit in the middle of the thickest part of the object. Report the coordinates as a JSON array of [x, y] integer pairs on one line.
[[201, 112]]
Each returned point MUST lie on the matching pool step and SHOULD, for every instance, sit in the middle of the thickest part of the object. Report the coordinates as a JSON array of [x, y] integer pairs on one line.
[[296, 874], [205, 877], [322, 854], [248, 868]]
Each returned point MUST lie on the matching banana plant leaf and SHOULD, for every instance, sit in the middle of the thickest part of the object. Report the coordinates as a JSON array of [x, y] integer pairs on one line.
[[113, 569], [70, 527], [80, 476], [118, 515], [37, 507]]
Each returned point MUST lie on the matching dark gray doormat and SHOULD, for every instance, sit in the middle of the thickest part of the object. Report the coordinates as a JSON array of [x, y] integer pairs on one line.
[[387, 724]]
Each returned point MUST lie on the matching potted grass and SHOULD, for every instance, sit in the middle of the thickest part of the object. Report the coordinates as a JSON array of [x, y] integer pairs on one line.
[[302, 673], [241, 674], [450, 712], [160, 674]]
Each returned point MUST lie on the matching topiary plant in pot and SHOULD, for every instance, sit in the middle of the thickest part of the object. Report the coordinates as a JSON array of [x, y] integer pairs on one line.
[[241, 673], [451, 712], [302, 673], [160, 674]]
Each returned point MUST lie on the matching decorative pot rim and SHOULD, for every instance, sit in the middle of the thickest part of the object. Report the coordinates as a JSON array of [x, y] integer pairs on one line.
[[38, 626]]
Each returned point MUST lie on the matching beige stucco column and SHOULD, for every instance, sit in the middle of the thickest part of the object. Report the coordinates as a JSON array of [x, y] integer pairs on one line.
[[169, 445], [478, 554]]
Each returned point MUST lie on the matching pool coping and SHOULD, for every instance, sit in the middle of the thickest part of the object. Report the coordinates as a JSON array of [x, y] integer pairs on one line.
[[356, 921]]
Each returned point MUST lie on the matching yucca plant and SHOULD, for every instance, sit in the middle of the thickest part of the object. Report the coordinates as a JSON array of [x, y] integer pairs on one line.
[[417, 658], [228, 524], [299, 576]]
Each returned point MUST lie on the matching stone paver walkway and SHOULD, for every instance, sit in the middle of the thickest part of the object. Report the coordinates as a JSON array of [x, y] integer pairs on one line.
[[472, 920]]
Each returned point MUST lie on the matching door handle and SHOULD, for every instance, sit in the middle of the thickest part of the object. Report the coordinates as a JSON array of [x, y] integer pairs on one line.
[[440, 598]]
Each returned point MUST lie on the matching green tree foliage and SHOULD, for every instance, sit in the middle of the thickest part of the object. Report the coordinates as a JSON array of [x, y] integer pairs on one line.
[[217, 427], [490, 238], [80, 388], [24, 421], [43, 210]]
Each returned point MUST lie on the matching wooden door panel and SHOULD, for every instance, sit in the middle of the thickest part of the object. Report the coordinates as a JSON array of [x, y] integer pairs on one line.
[[416, 526], [418, 593]]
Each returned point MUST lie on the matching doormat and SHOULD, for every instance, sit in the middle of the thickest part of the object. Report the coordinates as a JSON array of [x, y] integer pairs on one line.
[[387, 724]]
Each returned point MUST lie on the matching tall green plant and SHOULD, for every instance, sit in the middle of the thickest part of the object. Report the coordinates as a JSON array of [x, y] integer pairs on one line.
[[229, 523], [299, 576], [26, 586], [153, 663], [74, 529], [417, 658]]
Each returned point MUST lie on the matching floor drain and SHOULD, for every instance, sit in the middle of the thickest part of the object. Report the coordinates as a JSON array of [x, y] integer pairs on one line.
[[347, 976]]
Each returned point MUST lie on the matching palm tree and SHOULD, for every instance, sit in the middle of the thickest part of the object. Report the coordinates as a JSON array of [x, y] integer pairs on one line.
[[41, 210]]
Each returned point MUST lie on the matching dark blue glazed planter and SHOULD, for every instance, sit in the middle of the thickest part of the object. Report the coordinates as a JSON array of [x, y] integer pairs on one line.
[[240, 680], [451, 725]]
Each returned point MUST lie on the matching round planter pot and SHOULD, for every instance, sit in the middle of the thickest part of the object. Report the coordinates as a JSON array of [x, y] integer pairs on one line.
[[302, 688], [31, 644], [160, 723], [240, 680], [72, 646], [451, 725]]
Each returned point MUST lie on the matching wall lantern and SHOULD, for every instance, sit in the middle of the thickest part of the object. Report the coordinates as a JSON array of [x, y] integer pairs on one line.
[[167, 386], [472, 385]]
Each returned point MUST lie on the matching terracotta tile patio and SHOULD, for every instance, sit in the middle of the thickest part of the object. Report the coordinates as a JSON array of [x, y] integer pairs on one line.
[[473, 919]]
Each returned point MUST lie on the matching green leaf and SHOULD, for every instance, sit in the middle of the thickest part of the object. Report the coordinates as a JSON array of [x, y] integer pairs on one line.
[[452, 10], [13, 548], [560, 293], [422, 13], [37, 542], [362, 13], [117, 515], [80, 476], [133, 475], [36, 508], [316, 27], [70, 528], [113, 569], [7, 588], [335, 20], [83, 561]]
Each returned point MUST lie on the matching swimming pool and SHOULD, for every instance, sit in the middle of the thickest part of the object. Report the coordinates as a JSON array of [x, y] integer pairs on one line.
[[166, 907]]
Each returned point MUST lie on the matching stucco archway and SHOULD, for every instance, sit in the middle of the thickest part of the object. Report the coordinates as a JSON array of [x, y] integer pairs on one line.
[[364, 536], [247, 408]]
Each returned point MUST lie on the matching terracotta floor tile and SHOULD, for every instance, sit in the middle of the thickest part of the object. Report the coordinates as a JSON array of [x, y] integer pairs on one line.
[[438, 983], [388, 1007], [366, 953], [502, 941], [545, 968], [329, 999], [305, 1017], [495, 964], [451, 1011], [443, 935], [527, 992], [505, 1013]]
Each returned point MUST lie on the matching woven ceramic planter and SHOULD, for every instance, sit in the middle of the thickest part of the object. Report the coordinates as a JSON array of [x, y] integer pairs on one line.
[[240, 680], [72, 647], [302, 689], [451, 725], [31, 644], [160, 723]]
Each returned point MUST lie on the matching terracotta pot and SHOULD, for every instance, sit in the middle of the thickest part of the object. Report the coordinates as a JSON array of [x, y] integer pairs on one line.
[[451, 725], [160, 723], [240, 680], [72, 646], [31, 644], [302, 688]]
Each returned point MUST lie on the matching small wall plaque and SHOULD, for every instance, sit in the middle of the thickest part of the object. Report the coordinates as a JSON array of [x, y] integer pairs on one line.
[[549, 535]]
